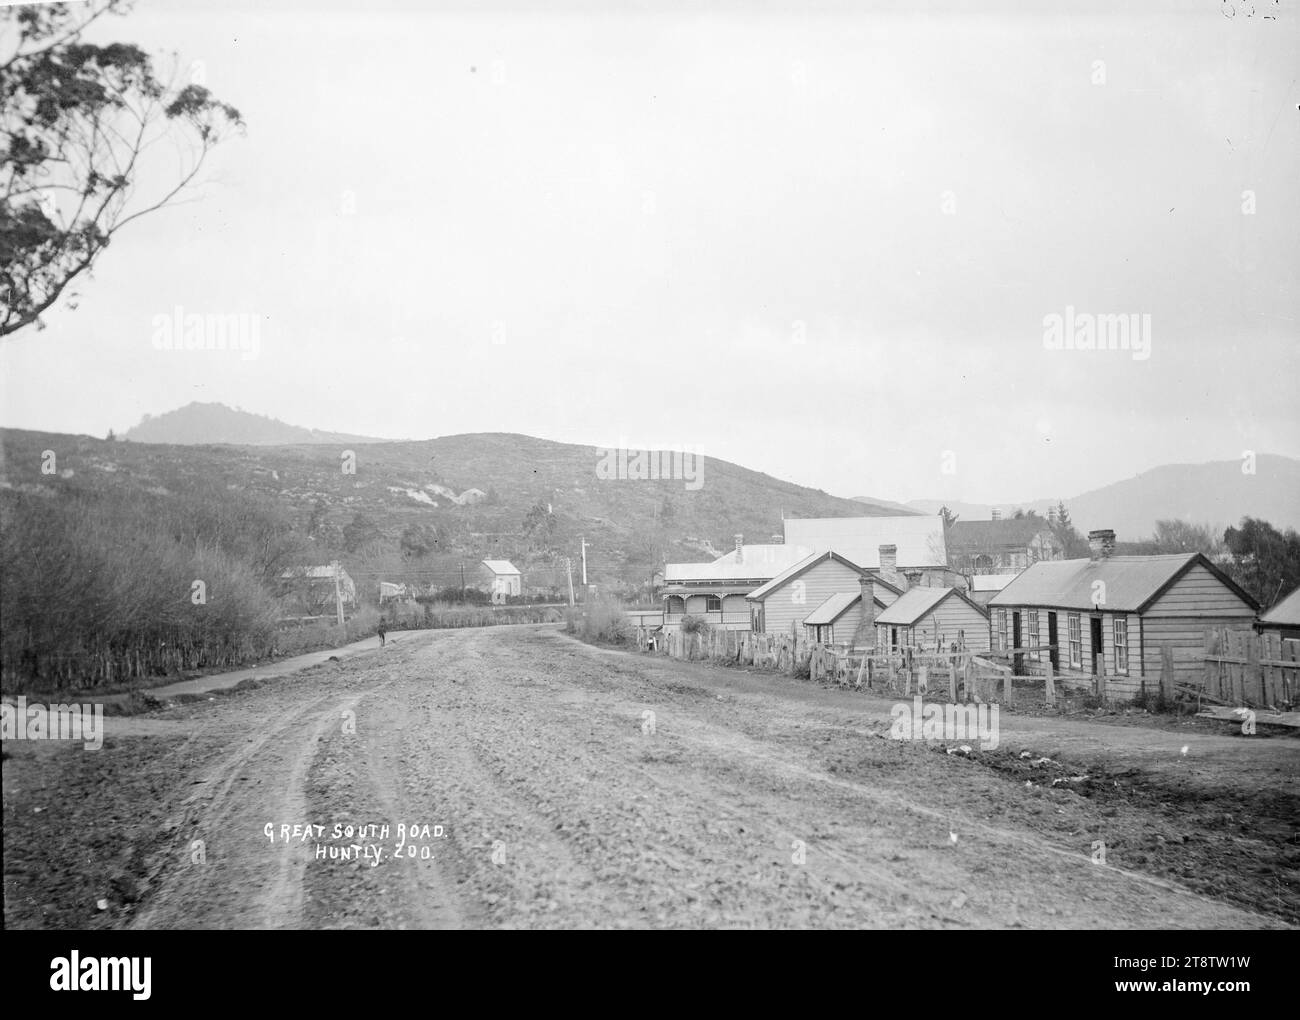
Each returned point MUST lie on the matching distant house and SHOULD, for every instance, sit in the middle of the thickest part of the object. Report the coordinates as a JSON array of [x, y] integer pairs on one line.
[[819, 598], [1001, 546], [917, 542], [503, 579], [716, 591], [1112, 615], [982, 587], [391, 592], [313, 589], [1284, 618], [930, 617]]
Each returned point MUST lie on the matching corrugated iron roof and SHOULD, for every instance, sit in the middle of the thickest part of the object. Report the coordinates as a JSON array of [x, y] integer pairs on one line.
[[1286, 613], [758, 562], [912, 605], [832, 609], [710, 589], [501, 566], [991, 582], [1131, 582], [919, 539], [982, 536]]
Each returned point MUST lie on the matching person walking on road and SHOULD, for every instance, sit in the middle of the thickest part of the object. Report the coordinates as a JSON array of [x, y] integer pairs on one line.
[[381, 630]]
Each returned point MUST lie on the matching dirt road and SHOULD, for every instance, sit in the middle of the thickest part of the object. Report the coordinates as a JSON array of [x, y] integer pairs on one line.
[[577, 786]]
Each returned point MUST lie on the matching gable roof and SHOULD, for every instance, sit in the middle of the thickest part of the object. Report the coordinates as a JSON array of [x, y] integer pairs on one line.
[[1132, 582], [501, 566], [919, 538], [916, 602], [990, 582], [758, 562], [832, 608], [1286, 613], [966, 537]]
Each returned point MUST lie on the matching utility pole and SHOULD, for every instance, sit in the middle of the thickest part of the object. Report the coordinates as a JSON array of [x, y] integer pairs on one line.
[[568, 563], [462, 580], [338, 592]]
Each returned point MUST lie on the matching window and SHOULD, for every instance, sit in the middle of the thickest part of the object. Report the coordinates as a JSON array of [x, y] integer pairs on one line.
[[1002, 630], [1075, 625], [1033, 635], [712, 604], [1121, 645]]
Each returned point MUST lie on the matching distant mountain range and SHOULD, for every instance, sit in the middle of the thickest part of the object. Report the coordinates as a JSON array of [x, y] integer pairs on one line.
[[523, 470], [1218, 493]]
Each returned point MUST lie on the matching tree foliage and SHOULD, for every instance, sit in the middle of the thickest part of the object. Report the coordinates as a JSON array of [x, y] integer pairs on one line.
[[1265, 561], [80, 125]]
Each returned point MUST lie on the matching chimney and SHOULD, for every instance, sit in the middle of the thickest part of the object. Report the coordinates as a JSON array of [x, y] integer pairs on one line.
[[913, 578], [740, 548], [889, 558], [1101, 543], [996, 514], [868, 626], [1051, 515]]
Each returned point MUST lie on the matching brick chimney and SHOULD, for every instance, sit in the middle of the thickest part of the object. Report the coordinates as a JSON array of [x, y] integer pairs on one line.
[[996, 514], [913, 578], [889, 558], [740, 548], [867, 628], [1101, 543]]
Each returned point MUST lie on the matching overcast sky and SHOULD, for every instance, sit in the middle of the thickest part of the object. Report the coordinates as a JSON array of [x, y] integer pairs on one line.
[[821, 245]]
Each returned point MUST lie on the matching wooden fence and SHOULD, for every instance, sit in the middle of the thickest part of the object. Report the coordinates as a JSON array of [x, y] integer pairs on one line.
[[1245, 668], [959, 675], [1241, 668]]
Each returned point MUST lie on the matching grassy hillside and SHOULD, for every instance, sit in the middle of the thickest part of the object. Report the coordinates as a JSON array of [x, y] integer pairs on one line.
[[457, 499]]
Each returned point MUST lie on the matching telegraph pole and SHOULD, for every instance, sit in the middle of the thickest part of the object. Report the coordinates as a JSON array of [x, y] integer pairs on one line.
[[462, 580], [568, 564], [585, 589]]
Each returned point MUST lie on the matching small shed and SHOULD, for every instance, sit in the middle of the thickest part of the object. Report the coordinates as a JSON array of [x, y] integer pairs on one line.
[[1284, 618], [933, 617], [504, 579]]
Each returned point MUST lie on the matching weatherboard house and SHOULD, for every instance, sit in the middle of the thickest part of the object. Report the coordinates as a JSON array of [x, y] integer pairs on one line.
[[821, 598], [716, 591], [503, 579], [1115, 616], [937, 618]]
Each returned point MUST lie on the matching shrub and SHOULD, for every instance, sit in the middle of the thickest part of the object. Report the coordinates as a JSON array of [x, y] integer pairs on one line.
[[694, 625], [601, 620]]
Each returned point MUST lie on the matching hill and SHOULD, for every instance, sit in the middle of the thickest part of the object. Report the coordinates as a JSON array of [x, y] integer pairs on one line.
[[417, 510], [199, 423], [1216, 493]]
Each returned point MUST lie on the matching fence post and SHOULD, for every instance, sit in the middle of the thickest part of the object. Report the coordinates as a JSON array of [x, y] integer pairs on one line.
[[1166, 672], [1050, 691]]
